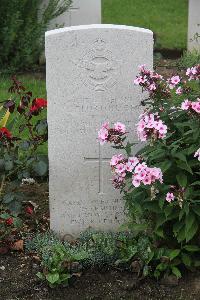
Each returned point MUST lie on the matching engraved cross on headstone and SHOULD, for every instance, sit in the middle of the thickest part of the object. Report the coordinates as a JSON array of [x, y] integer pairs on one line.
[[100, 161], [71, 9]]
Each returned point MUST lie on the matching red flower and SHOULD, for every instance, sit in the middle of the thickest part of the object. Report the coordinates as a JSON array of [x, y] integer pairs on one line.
[[29, 210], [5, 133], [37, 104], [9, 221]]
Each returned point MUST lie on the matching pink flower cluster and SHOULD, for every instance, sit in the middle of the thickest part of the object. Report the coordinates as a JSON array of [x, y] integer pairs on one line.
[[197, 154], [193, 73], [141, 173], [146, 175], [112, 135], [150, 125], [191, 105], [151, 81]]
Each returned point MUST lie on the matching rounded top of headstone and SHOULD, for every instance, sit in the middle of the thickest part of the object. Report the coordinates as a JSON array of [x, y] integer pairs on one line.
[[98, 26]]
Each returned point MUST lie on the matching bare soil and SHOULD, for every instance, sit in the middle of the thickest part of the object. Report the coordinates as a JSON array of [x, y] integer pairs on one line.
[[18, 282]]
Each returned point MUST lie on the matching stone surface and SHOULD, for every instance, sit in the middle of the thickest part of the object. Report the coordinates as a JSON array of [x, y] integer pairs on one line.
[[82, 12], [90, 73], [194, 25]]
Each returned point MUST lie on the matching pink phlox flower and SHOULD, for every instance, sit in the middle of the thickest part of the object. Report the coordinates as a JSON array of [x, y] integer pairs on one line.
[[197, 154], [105, 125], [193, 73], [170, 197], [152, 87], [120, 127], [136, 181], [140, 79], [147, 180], [117, 181], [133, 161], [120, 168], [140, 167], [196, 106], [186, 104], [175, 80], [129, 167], [179, 90], [103, 135], [116, 159]]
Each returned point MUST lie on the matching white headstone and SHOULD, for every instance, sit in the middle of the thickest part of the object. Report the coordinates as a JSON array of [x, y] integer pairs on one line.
[[81, 12], [90, 73], [194, 25]]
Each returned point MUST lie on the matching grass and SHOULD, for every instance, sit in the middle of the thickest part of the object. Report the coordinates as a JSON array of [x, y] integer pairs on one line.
[[36, 86], [167, 19]]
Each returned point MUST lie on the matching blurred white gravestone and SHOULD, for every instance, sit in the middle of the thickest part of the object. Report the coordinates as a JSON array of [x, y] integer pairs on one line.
[[81, 12], [90, 73], [194, 25]]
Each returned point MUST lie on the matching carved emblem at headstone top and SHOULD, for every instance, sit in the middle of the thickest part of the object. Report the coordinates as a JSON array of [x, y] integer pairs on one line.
[[99, 69]]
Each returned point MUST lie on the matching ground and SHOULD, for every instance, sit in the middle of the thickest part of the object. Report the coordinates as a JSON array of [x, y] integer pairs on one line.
[[18, 282]]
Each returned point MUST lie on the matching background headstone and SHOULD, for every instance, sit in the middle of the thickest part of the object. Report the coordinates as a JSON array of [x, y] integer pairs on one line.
[[82, 12], [194, 25], [90, 73]]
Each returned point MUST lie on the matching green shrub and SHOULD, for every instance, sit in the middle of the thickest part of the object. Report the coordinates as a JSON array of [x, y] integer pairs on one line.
[[161, 184], [93, 249], [23, 24]]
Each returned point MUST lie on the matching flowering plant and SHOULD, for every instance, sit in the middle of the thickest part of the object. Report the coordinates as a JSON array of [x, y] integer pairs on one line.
[[23, 130], [161, 183]]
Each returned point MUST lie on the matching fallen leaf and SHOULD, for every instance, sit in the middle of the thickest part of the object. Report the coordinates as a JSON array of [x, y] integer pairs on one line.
[[4, 250], [18, 245]]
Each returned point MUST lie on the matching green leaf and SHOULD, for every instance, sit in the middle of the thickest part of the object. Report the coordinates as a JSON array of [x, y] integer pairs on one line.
[[189, 234], [181, 156], [174, 253], [181, 214], [184, 166], [24, 145], [196, 209], [5, 216], [189, 221], [182, 179], [152, 206], [8, 165], [177, 227], [15, 207], [186, 259], [196, 183], [181, 234], [40, 168], [40, 275], [52, 277], [196, 263], [159, 232], [17, 222], [168, 210], [160, 220], [8, 198], [176, 272], [165, 165], [191, 248]]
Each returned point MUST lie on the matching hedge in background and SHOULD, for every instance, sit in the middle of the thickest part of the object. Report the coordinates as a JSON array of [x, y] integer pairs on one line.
[[23, 23]]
